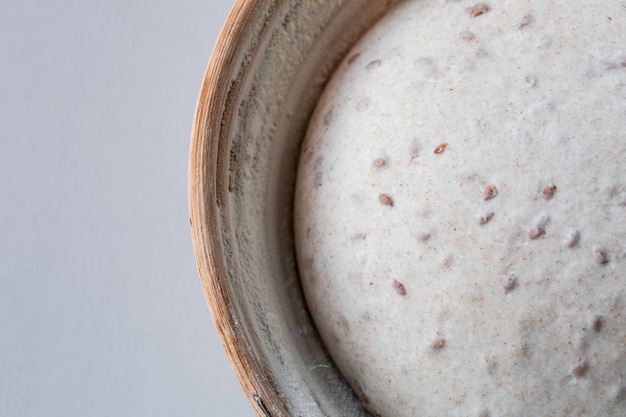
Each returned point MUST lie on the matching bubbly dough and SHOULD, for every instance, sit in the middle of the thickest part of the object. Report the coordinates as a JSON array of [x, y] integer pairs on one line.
[[460, 210]]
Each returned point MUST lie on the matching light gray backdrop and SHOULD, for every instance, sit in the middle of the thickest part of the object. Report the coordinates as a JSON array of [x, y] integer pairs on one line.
[[101, 309]]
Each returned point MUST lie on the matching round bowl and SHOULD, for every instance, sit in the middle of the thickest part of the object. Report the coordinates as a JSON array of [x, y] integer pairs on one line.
[[268, 69]]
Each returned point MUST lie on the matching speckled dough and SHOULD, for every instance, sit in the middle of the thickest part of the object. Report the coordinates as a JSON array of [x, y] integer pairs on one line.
[[460, 211]]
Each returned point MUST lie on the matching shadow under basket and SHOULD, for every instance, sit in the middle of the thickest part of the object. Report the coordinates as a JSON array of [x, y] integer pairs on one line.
[[269, 67]]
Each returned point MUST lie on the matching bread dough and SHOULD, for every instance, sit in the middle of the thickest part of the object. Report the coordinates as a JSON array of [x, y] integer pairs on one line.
[[460, 210]]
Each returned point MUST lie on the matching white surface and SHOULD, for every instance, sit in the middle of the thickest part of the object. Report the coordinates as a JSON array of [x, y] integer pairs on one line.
[[101, 309]]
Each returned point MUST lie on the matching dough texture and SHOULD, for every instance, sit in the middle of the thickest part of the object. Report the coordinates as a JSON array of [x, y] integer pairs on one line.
[[460, 210]]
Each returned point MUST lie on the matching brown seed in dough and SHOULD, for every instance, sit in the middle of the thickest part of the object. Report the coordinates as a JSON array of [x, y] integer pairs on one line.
[[595, 322], [525, 21], [373, 64], [399, 287], [536, 232], [510, 283], [440, 148], [539, 229], [484, 219], [353, 58], [438, 343], [548, 192], [385, 200], [490, 192], [477, 9], [600, 255], [379, 163], [579, 370]]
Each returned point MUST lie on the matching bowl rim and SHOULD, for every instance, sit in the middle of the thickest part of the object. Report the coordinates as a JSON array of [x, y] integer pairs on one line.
[[203, 204], [233, 65]]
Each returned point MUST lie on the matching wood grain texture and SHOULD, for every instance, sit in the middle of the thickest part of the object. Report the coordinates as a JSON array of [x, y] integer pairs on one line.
[[266, 72], [207, 179]]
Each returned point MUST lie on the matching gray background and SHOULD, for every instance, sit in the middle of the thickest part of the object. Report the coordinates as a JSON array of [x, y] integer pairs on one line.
[[101, 309]]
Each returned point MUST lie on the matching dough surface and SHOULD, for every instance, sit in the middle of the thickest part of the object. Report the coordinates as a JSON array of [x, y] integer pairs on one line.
[[460, 210]]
